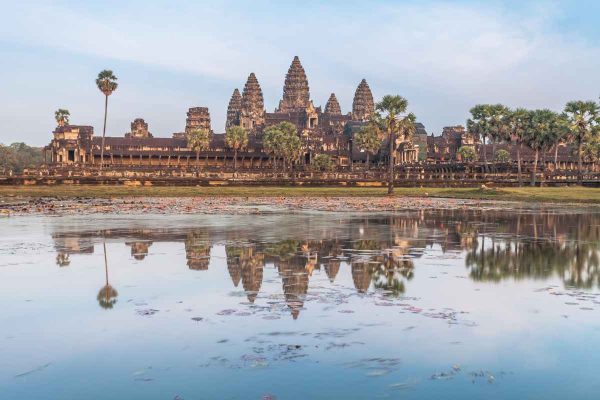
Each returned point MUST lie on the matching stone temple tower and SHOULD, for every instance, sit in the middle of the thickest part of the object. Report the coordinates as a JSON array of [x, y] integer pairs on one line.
[[296, 94], [253, 105], [197, 118], [363, 105], [233, 109], [333, 106]]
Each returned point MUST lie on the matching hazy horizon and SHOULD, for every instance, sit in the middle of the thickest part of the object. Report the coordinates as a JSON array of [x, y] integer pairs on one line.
[[443, 57]]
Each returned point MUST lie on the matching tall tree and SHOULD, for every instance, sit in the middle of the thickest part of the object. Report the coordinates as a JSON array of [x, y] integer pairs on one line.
[[198, 140], [271, 142], [540, 134], [392, 116], [368, 139], [236, 138], [291, 145], [478, 126], [591, 151], [282, 141], [583, 121], [107, 83], [498, 130], [62, 116], [517, 122]]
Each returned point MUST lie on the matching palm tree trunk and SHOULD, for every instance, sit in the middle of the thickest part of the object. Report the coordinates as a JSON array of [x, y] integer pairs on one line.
[[519, 163], [234, 161], [579, 163], [534, 168], [391, 163], [103, 131], [556, 157], [368, 165], [485, 162], [494, 155]]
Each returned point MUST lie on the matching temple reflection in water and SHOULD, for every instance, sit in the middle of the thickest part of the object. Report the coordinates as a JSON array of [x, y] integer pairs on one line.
[[380, 252]]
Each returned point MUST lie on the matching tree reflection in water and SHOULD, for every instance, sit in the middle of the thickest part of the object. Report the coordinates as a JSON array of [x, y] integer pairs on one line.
[[381, 252], [107, 296], [541, 247]]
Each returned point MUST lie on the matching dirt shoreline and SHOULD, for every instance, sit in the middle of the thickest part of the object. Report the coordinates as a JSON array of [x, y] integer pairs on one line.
[[254, 205]]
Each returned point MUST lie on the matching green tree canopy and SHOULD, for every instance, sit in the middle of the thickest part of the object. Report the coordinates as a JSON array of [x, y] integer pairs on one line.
[[502, 156], [18, 156], [322, 162], [107, 82], [467, 153], [369, 139], [198, 139], [62, 116], [391, 115], [282, 141], [236, 138], [583, 124]]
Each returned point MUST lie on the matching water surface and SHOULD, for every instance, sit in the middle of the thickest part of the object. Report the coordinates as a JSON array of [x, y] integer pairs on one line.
[[447, 304]]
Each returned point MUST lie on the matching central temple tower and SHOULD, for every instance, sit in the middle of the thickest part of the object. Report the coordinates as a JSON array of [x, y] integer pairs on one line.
[[296, 95]]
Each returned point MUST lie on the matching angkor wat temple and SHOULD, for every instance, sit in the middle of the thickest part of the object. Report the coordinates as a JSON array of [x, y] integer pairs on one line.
[[327, 131], [322, 131]]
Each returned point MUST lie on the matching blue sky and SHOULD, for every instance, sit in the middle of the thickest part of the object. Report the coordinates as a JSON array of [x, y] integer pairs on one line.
[[443, 56]]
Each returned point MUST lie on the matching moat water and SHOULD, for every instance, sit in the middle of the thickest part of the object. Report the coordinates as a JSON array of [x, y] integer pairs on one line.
[[416, 305]]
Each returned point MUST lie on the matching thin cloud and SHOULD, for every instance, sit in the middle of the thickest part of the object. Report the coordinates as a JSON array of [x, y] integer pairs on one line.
[[443, 57]]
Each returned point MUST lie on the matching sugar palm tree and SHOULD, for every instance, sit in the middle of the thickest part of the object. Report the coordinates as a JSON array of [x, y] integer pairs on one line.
[[62, 116], [498, 130], [583, 120], [517, 121], [271, 142], [391, 115], [236, 138], [540, 134], [478, 126], [368, 139], [107, 84], [198, 140], [591, 151], [282, 141]]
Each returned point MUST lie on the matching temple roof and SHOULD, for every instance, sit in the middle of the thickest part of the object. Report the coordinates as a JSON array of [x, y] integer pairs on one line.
[[363, 105], [295, 90], [333, 106]]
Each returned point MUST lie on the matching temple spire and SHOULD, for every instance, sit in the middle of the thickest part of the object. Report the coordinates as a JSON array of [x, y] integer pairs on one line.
[[296, 93], [253, 104], [363, 105], [252, 96], [333, 106], [233, 109]]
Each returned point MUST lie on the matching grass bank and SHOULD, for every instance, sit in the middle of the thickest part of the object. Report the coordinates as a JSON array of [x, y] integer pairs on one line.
[[526, 194]]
